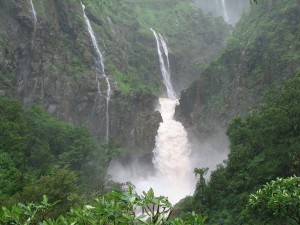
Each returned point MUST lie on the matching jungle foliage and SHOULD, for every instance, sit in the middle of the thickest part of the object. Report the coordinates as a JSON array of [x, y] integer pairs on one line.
[[262, 52], [41, 155], [117, 207], [278, 200], [263, 146]]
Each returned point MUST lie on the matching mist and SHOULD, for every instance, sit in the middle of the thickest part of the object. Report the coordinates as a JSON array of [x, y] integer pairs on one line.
[[230, 10], [209, 152], [144, 175], [170, 173]]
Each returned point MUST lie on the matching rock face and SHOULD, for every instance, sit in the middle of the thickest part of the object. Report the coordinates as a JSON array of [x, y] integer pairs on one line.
[[135, 121], [258, 58], [52, 63]]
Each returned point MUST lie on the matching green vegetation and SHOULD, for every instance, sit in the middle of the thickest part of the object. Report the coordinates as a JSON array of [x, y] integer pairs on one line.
[[41, 155], [261, 54], [187, 29], [263, 146], [278, 200], [128, 84], [117, 207], [123, 32]]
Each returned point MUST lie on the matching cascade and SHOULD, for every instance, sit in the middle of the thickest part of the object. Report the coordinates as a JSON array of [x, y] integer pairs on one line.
[[33, 13], [225, 11], [99, 65]]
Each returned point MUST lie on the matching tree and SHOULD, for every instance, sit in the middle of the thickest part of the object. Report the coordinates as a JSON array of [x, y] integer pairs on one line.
[[9, 175], [59, 185], [278, 200], [13, 140], [263, 146], [25, 214], [200, 196]]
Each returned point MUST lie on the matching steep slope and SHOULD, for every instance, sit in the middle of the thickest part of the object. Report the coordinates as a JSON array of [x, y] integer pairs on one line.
[[261, 56], [262, 52], [51, 61]]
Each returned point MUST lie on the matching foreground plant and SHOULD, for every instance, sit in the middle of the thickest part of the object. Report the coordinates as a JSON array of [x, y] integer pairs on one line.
[[117, 207], [278, 200]]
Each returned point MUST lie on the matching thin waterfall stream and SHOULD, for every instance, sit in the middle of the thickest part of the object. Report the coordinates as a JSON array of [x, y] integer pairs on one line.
[[165, 69], [33, 13], [100, 66], [225, 11], [34, 17]]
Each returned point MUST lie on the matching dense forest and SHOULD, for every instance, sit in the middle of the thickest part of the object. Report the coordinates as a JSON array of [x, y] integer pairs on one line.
[[81, 85], [41, 155], [263, 146]]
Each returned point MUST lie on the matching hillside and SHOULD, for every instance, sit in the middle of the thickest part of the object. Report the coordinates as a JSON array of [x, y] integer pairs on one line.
[[262, 52], [251, 90]]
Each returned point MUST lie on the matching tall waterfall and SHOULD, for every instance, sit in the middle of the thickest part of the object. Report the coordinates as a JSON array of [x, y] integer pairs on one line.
[[165, 69], [171, 153], [225, 13], [33, 13], [99, 66], [172, 175]]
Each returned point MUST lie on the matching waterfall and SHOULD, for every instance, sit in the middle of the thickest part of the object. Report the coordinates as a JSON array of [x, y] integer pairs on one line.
[[100, 65], [166, 51], [171, 153], [165, 70], [173, 174], [111, 26], [33, 13], [225, 11]]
